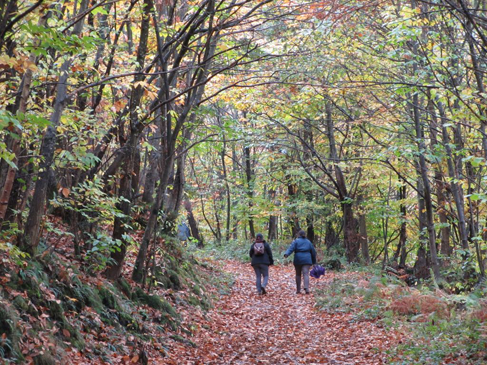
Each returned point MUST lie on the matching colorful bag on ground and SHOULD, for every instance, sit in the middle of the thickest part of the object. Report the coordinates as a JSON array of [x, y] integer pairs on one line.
[[317, 271]]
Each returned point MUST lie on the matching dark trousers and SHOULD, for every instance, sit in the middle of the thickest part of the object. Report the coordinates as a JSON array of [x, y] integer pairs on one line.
[[304, 271], [261, 272]]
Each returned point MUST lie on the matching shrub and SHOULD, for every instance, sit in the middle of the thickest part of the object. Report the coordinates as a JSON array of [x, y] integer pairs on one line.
[[420, 304], [480, 314]]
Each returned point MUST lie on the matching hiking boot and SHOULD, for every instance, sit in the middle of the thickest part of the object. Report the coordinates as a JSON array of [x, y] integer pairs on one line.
[[297, 291], [263, 290], [307, 291]]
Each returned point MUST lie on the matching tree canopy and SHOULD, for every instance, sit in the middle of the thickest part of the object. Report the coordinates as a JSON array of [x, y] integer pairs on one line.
[[361, 122]]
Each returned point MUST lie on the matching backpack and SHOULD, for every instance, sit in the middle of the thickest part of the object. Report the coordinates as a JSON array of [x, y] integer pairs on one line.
[[259, 248]]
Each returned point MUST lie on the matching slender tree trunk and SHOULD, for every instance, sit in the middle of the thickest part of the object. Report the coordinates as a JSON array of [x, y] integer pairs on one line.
[[150, 178], [272, 233], [401, 248], [292, 190], [351, 236], [21, 189], [170, 134], [454, 177], [445, 247], [38, 205], [193, 225], [139, 267], [310, 230], [250, 192], [227, 191], [176, 194], [364, 241], [421, 267], [127, 185], [423, 171], [7, 171], [479, 78]]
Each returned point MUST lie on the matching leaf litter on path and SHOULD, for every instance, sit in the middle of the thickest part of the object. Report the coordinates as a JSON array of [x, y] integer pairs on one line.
[[279, 328]]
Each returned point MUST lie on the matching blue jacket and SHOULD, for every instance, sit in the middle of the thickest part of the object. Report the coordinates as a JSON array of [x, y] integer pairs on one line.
[[304, 251]]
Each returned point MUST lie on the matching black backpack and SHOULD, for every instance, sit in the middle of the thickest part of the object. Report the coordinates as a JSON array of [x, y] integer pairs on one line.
[[259, 248]]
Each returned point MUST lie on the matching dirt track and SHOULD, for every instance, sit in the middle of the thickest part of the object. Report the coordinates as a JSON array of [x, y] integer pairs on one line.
[[280, 328]]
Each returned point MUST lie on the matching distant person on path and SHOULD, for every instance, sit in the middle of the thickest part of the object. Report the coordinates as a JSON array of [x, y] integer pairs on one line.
[[261, 255], [304, 257], [183, 233]]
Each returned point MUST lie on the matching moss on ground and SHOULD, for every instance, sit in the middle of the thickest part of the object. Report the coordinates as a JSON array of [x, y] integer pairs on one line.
[[174, 279], [8, 326], [108, 298], [75, 336], [79, 295], [77, 308], [128, 321], [44, 359], [155, 301], [125, 287], [56, 310]]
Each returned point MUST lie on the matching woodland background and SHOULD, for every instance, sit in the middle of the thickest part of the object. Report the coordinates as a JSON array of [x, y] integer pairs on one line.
[[362, 122]]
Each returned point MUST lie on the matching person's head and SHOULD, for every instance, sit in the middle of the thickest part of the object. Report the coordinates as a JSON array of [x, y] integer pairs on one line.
[[259, 237], [302, 234]]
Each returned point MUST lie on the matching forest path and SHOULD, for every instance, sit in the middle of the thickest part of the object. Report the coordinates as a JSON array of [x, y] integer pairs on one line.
[[280, 327]]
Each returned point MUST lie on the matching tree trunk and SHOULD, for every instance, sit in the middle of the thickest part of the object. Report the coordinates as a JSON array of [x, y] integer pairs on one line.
[[193, 225], [423, 172], [150, 178], [32, 229], [250, 192], [310, 230], [292, 190], [454, 175], [176, 194], [8, 172], [170, 133], [272, 233], [439, 179], [331, 236], [227, 192], [127, 185], [364, 241], [401, 246], [351, 237], [421, 266]]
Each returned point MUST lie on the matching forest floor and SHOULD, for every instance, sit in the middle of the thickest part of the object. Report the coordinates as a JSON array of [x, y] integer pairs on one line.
[[279, 328]]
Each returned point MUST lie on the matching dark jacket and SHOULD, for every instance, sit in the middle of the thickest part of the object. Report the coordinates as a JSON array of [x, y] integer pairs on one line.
[[304, 251], [265, 259]]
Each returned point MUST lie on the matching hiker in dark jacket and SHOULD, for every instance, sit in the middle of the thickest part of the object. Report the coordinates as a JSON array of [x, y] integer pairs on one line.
[[261, 262], [304, 257]]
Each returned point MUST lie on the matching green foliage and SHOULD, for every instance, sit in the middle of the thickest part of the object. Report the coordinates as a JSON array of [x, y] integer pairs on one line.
[[98, 256], [11, 253], [96, 208], [234, 250], [9, 344], [462, 275], [442, 341], [223, 251], [50, 38], [442, 327]]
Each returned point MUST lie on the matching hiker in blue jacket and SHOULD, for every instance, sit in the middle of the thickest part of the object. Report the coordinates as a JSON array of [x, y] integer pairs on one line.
[[304, 257], [261, 255]]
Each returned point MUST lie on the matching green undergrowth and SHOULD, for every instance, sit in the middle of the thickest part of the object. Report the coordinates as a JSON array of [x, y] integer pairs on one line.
[[435, 327], [49, 308], [235, 250]]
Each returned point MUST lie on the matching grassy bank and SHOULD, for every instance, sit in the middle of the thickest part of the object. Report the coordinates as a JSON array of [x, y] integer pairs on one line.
[[438, 328]]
